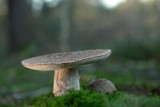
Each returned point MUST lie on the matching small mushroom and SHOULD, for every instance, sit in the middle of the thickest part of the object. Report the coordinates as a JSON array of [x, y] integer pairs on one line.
[[101, 86], [65, 66]]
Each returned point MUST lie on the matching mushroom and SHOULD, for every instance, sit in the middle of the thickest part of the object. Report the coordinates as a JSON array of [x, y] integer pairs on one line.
[[65, 66], [101, 86]]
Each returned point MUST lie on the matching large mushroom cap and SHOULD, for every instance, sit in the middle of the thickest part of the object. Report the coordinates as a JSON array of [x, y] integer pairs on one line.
[[65, 60]]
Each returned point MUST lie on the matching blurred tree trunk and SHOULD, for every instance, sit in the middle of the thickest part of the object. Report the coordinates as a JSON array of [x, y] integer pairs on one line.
[[132, 19], [19, 15], [65, 25], [157, 3]]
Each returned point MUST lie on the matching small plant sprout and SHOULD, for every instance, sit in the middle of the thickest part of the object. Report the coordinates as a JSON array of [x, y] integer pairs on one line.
[[65, 66], [101, 86]]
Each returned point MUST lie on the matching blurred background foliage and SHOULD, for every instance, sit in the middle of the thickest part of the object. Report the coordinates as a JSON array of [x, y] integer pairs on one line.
[[30, 28]]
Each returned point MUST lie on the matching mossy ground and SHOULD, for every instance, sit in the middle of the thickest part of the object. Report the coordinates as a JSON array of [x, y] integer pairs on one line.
[[91, 99], [134, 81]]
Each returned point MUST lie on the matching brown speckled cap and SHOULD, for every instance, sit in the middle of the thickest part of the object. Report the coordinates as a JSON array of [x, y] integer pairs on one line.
[[65, 60]]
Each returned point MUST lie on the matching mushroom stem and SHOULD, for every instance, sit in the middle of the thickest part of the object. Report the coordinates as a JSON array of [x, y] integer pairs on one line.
[[64, 80]]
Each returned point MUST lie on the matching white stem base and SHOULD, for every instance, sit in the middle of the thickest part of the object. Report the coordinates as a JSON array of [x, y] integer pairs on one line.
[[64, 80]]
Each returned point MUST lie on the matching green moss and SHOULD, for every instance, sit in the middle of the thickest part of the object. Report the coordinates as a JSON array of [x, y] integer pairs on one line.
[[91, 99], [72, 99]]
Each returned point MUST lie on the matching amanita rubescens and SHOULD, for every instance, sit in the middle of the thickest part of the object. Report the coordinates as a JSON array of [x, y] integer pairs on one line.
[[65, 66]]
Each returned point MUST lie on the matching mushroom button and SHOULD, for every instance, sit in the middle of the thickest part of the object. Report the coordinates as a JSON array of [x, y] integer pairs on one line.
[[65, 66], [101, 86]]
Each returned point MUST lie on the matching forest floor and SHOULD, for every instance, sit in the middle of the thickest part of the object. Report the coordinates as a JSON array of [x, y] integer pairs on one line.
[[138, 84]]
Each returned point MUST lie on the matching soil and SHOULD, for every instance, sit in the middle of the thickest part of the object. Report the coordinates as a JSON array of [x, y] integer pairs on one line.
[[140, 91]]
